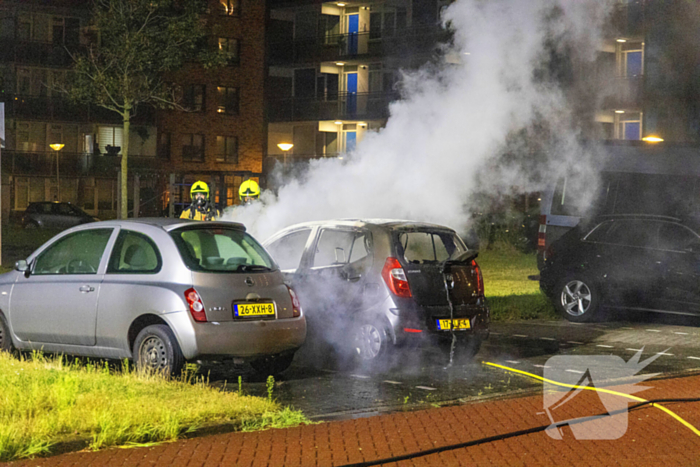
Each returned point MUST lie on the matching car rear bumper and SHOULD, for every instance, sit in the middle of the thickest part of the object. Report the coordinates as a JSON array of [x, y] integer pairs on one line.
[[240, 339], [411, 327]]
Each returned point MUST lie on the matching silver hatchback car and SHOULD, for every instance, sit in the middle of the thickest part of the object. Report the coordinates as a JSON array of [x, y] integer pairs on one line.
[[160, 291]]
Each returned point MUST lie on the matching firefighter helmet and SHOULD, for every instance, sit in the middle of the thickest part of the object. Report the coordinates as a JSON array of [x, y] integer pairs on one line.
[[199, 187], [249, 189]]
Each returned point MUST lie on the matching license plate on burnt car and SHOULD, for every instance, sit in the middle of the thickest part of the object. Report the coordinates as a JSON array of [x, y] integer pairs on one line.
[[456, 324], [251, 310]]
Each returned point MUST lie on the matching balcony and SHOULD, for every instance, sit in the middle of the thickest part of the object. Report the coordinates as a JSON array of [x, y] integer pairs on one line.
[[71, 164], [62, 109], [626, 93], [353, 106], [333, 48], [35, 53]]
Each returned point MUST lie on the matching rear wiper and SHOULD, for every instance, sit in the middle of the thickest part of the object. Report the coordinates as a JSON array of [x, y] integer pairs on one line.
[[251, 268]]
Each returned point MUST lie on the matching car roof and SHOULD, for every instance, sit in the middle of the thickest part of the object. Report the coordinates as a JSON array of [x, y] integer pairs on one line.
[[385, 223], [169, 224]]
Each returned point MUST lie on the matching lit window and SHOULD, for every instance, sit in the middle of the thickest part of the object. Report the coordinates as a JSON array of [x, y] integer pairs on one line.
[[231, 48], [229, 7], [228, 101]]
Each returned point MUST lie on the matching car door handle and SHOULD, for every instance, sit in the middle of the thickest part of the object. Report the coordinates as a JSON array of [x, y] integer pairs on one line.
[[86, 289]]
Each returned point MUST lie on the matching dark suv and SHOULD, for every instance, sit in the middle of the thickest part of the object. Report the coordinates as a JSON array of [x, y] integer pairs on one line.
[[367, 285], [54, 215], [645, 263]]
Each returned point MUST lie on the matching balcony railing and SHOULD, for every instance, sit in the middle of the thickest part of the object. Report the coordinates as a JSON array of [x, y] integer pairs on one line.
[[626, 93], [404, 42], [35, 52], [60, 108], [20, 163], [356, 106]]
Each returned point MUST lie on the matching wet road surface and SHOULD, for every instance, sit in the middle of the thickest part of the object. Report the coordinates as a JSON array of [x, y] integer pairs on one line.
[[416, 378]]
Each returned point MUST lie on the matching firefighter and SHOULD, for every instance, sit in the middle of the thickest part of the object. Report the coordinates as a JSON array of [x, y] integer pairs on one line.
[[249, 191], [200, 209]]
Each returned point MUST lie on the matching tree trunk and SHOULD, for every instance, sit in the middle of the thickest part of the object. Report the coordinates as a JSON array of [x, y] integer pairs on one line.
[[124, 202]]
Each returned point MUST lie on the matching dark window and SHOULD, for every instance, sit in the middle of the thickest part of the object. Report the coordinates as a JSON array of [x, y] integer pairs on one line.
[[676, 237], [164, 145], [288, 250], [638, 233], [427, 247], [134, 253], [305, 83], [228, 101], [192, 147], [230, 7], [193, 98], [227, 149], [231, 48], [375, 25], [24, 29], [77, 253]]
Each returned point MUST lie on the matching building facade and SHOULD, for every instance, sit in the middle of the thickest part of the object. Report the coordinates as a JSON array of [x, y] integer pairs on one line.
[[218, 135], [333, 69]]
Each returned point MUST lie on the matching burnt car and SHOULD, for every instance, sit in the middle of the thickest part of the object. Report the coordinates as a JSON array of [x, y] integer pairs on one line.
[[634, 262], [54, 215], [375, 284]]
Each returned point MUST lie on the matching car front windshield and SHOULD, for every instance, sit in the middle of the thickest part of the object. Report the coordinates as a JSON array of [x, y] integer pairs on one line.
[[221, 249]]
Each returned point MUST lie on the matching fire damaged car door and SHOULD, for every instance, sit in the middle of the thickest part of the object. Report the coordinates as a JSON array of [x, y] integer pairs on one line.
[[288, 252], [331, 285]]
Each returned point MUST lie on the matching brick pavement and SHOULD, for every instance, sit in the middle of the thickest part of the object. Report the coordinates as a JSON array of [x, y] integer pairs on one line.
[[652, 438]]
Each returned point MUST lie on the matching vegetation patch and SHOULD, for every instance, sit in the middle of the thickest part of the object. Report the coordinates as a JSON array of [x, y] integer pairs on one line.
[[46, 402], [510, 294]]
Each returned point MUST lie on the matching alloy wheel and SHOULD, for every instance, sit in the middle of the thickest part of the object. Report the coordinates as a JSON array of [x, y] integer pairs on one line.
[[369, 342], [576, 298]]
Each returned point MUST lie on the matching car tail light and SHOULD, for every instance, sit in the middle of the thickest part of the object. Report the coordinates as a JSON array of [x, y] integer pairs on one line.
[[196, 306], [479, 278], [295, 303], [542, 234], [395, 278]]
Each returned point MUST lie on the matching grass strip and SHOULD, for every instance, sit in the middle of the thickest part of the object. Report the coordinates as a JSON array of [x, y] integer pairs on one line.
[[50, 401], [511, 295]]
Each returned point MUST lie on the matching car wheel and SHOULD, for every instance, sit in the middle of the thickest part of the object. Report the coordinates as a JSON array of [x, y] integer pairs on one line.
[[5, 338], [577, 299], [156, 351], [370, 342], [272, 364]]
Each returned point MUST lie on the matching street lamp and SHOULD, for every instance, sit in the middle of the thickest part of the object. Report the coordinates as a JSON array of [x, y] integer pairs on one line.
[[285, 147], [57, 147]]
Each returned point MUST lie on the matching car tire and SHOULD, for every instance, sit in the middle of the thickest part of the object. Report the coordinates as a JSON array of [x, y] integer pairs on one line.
[[370, 342], [272, 364], [156, 351], [5, 337], [577, 299]]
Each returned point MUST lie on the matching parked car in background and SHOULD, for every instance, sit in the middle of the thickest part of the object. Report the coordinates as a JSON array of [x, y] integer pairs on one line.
[[635, 262], [48, 215], [368, 285], [160, 291]]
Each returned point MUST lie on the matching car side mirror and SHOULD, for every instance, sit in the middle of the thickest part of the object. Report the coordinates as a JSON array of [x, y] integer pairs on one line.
[[22, 266]]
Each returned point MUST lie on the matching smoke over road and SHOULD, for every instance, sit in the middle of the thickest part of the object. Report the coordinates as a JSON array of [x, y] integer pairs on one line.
[[456, 121]]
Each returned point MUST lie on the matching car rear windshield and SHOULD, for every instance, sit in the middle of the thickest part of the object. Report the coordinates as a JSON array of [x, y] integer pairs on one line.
[[429, 247], [221, 249]]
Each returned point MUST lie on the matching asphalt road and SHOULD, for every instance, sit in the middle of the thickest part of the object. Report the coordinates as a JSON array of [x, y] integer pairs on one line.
[[424, 377]]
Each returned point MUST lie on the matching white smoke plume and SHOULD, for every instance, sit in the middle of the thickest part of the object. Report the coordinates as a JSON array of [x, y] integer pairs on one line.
[[453, 123]]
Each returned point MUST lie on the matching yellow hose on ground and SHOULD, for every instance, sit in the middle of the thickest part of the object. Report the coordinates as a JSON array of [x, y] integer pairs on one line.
[[607, 391]]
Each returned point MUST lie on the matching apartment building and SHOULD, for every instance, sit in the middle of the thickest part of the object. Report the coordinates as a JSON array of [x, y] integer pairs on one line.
[[649, 70], [333, 69], [219, 137]]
